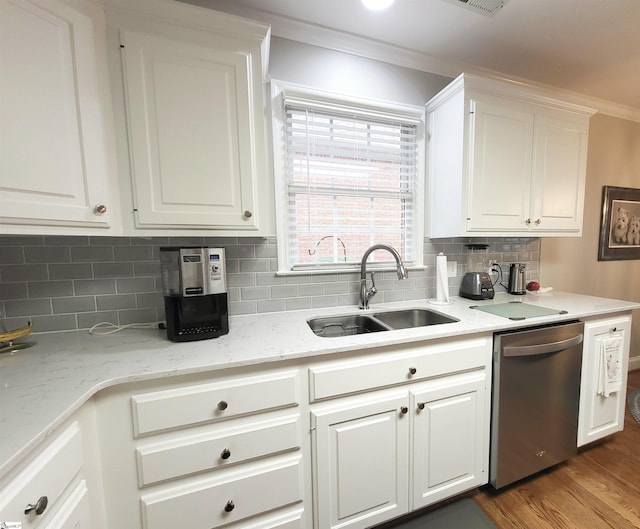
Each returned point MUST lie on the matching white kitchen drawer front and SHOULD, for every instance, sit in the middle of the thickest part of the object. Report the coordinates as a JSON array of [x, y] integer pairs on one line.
[[75, 512], [217, 449], [43, 481], [382, 369], [178, 407], [288, 520], [228, 497]]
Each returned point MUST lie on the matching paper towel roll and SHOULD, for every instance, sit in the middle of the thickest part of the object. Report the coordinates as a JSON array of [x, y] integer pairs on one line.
[[442, 279]]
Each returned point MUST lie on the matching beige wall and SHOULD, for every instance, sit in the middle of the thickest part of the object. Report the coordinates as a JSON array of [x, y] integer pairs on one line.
[[572, 264]]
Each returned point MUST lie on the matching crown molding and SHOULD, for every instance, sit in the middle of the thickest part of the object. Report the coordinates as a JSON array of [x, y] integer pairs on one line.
[[324, 37]]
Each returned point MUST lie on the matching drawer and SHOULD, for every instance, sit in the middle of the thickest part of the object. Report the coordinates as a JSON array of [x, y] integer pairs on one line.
[[47, 476], [226, 498], [74, 513], [291, 519], [175, 408], [221, 448], [408, 364]]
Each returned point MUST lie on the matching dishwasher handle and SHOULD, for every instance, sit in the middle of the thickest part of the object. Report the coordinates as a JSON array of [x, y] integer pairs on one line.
[[543, 348]]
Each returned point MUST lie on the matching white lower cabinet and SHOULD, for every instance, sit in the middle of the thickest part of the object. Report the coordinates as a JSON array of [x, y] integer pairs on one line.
[[205, 452], [449, 441], [378, 455], [605, 340], [361, 461], [51, 489]]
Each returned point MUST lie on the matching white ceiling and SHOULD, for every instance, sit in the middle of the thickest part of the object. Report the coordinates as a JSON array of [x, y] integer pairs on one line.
[[589, 47]]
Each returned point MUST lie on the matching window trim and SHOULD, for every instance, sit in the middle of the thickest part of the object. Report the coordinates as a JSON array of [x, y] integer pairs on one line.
[[283, 91]]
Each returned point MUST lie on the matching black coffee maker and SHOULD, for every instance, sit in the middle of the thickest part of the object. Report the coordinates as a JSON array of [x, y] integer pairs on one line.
[[194, 285]]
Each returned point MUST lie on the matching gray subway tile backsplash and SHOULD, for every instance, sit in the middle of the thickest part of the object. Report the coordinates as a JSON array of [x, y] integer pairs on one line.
[[51, 289], [64, 283], [47, 254]]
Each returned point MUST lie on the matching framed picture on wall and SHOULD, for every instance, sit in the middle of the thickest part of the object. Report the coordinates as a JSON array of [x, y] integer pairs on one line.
[[620, 224]]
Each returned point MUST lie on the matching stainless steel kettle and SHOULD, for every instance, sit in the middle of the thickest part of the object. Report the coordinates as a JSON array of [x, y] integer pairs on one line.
[[517, 282]]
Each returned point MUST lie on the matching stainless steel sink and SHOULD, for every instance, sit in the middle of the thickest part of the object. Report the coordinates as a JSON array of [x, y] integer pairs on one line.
[[345, 325], [349, 324], [406, 319]]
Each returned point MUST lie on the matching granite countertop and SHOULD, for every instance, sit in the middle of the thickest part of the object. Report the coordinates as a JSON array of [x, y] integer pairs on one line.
[[43, 385]]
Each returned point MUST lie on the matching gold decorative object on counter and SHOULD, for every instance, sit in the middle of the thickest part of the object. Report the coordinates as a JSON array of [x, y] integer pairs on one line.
[[8, 337]]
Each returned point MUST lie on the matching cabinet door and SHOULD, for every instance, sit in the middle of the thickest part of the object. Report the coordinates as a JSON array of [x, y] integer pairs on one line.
[[361, 461], [450, 438], [499, 156], [601, 416], [53, 153], [192, 128], [559, 169]]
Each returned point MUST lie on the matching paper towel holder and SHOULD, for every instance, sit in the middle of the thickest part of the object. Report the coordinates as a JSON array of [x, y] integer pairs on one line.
[[442, 282]]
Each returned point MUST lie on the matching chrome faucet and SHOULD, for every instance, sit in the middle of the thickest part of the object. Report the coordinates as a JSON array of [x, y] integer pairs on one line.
[[367, 293]]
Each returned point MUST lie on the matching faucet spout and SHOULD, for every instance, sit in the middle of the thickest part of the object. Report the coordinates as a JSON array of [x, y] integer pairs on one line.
[[367, 293]]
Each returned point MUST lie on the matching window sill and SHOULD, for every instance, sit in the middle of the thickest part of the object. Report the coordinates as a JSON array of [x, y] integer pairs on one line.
[[328, 271]]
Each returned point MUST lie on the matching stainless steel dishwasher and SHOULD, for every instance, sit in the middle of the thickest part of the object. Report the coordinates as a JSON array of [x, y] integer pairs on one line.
[[536, 392]]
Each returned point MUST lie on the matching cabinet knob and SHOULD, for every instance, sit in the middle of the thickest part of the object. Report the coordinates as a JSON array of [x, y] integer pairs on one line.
[[421, 405], [100, 209], [38, 507], [412, 370], [229, 506], [404, 410], [538, 221], [222, 405], [527, 222], [226, 454], [248, 214]]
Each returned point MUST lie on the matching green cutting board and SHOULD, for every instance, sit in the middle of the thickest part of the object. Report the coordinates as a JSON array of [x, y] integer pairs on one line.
[[516, 310]]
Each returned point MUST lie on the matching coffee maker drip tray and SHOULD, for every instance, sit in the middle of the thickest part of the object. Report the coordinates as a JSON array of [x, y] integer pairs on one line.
[[516, 310]]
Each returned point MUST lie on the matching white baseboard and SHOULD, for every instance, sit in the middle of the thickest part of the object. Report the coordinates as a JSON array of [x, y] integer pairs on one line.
[[634, 363]]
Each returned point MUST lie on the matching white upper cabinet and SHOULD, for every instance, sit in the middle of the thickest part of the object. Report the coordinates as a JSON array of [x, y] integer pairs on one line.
[[194, 105], [505, 159], [55, 133]]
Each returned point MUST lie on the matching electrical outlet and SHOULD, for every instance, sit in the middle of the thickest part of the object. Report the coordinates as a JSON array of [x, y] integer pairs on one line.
[[452, 268]]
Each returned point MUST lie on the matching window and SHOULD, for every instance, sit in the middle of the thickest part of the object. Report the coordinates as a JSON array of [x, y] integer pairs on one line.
[[351, 176]]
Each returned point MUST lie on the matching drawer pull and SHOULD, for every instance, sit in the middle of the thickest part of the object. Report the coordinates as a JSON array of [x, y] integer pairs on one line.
[[226, 454], [39, 506], [404, 410], [229, 506], [412, 370], [222, 405], [421, 405]]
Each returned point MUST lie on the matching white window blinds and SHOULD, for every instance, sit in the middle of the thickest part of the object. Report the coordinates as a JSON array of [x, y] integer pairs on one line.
[[351, 183]]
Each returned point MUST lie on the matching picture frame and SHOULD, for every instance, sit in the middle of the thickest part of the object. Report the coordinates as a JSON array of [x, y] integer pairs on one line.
[[620, 224]]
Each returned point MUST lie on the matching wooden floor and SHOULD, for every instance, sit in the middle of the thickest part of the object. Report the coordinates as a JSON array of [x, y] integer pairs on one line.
[[598, 489]]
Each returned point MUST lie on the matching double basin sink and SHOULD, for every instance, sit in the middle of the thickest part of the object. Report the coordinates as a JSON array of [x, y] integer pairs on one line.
[[349, 324]]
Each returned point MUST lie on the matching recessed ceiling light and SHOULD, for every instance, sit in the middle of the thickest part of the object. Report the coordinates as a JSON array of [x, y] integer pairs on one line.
[[377, 5]]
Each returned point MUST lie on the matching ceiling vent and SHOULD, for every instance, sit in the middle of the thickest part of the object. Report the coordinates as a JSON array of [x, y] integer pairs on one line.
[[484, 7]]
